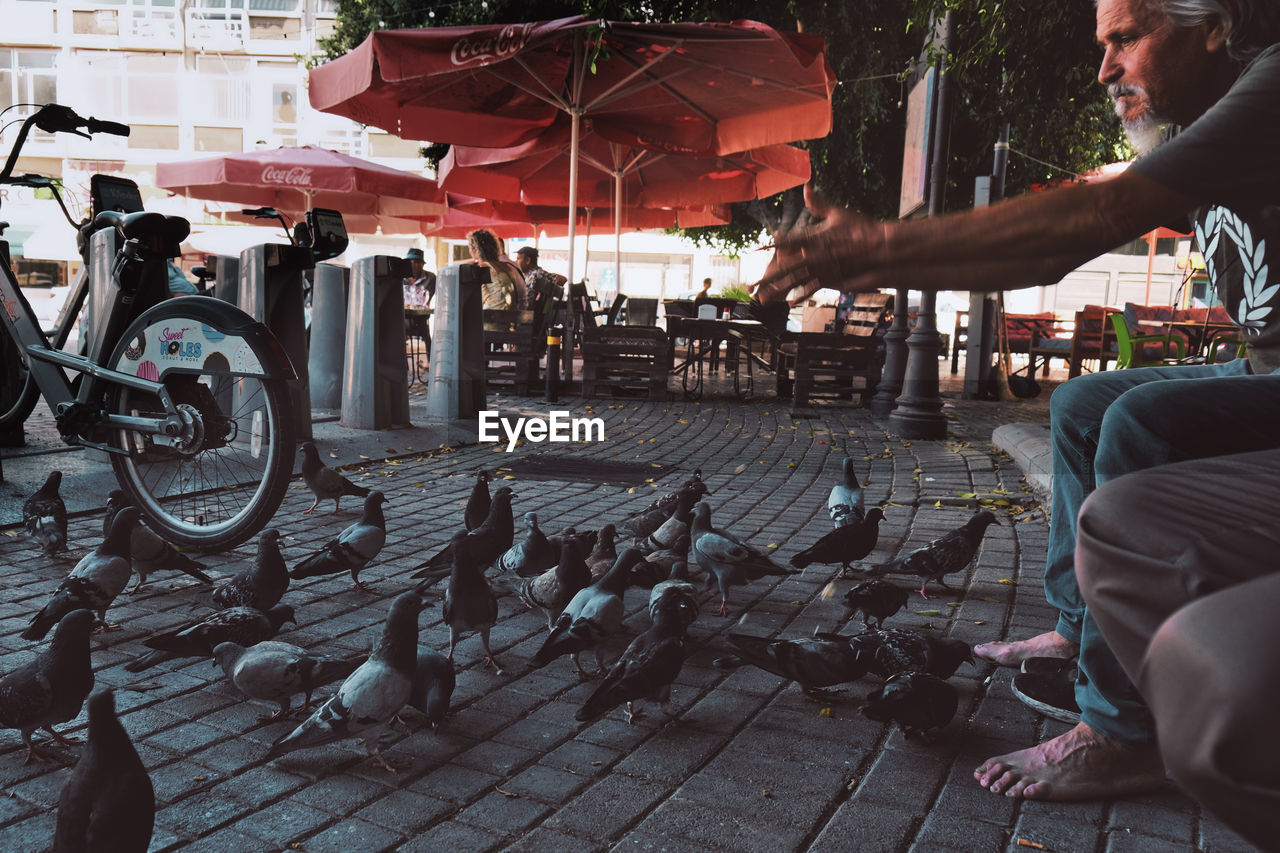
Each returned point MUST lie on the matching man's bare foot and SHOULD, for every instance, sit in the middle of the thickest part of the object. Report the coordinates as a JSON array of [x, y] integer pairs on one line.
[[1078, 765], [1050, 644]]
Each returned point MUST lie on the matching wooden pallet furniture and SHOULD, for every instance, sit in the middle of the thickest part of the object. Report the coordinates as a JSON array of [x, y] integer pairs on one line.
[[510, 351], [626, 357]]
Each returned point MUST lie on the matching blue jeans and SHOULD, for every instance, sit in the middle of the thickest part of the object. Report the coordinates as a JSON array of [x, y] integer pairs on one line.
[[1107, 424]]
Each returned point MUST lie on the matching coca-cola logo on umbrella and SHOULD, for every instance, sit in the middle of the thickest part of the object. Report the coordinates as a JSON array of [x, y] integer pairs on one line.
[[509, 40], [294, 177]]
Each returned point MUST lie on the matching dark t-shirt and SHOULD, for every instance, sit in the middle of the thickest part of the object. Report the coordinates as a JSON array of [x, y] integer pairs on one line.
[[1228, 161]]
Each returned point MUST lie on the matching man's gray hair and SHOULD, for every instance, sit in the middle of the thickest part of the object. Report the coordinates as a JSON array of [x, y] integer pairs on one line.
[[1251, 26]]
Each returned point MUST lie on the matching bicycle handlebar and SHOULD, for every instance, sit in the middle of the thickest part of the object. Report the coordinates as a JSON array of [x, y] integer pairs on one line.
[[55, 118]]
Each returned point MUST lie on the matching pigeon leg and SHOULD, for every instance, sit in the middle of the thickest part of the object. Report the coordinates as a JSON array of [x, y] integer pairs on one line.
[[453, 641], [601, 669], [724, 606], [489, 659], [54, 737], [633, 713], [389, 766], [922, 586], [312, 508], [33, 754], [137, 586], [104, 627], [337, 502], [577, 665]]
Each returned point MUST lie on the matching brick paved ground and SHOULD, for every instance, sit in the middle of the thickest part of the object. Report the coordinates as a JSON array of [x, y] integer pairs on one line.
[[750, 764]]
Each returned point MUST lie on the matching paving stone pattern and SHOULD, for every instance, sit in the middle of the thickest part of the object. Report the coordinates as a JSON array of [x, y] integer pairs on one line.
[[750, 763]]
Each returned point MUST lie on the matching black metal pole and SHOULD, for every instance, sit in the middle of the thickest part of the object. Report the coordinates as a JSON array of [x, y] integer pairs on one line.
[[554, 336]]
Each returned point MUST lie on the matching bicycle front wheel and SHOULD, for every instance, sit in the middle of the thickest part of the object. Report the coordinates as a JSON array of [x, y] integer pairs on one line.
[[223, 479]]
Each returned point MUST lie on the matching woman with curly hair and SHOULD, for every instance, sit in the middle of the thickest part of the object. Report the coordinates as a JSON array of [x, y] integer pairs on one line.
[[505, 289]]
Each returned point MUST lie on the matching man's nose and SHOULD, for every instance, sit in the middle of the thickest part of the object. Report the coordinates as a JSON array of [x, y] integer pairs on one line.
[[1110, 70]]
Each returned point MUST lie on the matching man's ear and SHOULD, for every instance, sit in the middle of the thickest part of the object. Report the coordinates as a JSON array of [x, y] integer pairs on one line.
[[1217, 31]]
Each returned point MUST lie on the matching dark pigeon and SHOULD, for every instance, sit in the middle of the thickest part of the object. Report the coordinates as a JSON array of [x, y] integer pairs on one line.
[[730, 561], [604, 554], [889, 651], [433, 683], [594, 614], [245, 626], [846, 503], [844, 545], [372, 695], [875, 599], [469, 602], [353, 549], [275, 672], [919, 703], [950, 552], [50, 689], [646, 521], [674, 527], [552, 591], [44, 516], [108, 803], [478, 504], [532, 554], [147, 551], [325, 483], [657, 566], [95, 581], [647, 668], [811, 662], [486, 543], [260, 586], [675, 586]]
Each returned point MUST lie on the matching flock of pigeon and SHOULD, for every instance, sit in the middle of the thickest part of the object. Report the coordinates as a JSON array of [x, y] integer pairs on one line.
[[577, 579]]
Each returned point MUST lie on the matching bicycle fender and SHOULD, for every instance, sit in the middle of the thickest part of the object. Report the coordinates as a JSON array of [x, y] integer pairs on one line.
[[193, 333]]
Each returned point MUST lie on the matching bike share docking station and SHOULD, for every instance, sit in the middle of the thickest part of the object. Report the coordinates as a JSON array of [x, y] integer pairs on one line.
[[375, 388], [271, 292], [456, 390]]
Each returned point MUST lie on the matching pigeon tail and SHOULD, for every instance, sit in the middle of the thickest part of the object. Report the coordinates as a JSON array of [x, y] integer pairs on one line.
[[49, 616], [149, 660], [328, 724]]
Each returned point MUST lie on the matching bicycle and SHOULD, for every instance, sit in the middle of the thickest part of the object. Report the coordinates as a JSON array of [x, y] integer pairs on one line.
[[188, 396]]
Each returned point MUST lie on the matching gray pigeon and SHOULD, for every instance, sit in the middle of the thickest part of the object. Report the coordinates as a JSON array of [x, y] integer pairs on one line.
[[876, 599], [530, 555], [108, 803], [469, 602], [647, 668], [325, 483], [552, 590], [433, 683], [276, 671], [147, 551], [50, 689], [355, 547], [730, 561], [245, 626], [44, 516], [889, 651], [811, 662], [846, 503], [674, 527], [604, 554], [478, 504], [657, 566], [676, 586], [95, 581], [919, 703], [372, 695], [649, 519], [950, 552], [848, 543], [486, 543], [260, 586], [594, 614]]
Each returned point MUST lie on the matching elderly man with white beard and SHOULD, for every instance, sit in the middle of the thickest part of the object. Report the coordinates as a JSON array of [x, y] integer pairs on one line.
[[1211, 69]]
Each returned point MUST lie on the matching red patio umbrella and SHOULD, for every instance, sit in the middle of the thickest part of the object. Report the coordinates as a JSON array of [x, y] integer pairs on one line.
[[513, 219], [296, 179]]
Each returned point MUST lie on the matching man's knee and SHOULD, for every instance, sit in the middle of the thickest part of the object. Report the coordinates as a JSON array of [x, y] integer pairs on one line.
[[1109, 514]]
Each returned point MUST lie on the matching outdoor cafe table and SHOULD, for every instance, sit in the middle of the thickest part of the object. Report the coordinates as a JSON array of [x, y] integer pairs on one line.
[[1200, 334], [704, 337]]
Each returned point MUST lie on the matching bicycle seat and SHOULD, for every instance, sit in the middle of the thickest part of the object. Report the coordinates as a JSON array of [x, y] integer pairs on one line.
[[143, 225]]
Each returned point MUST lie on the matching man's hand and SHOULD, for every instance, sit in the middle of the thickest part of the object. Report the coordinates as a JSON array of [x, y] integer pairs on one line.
[[831, 253]]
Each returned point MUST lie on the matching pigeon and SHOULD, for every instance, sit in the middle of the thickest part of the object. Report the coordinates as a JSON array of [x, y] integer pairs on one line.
[[532, 554], [811, 662], [844, 545], [918, 702], [44, 515], [593, 614], [469, 602], [245, 626], [876, 599], [846, 504], [649, 519], [108, 803], [50, 689], [260, 586], [433, 683], [676, 586], [648, 666], [487, 543], [604, 554], [372, 695], [889, 651], [325, 483], [723, 557], [950, 552], [656, 567], [275, 671], [95, 581], [354, 548], [147, 551], [674, 527], [552, 590], [478, 504]]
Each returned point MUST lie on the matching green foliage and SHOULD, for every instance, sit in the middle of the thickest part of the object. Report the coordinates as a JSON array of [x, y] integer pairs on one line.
[[1025, 62]]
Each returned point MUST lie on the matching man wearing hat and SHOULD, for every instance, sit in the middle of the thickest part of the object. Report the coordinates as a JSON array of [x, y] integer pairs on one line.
[[541, 284], [420, 286]]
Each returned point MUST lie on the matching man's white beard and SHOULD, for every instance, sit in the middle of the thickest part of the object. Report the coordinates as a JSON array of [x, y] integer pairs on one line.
[[1147, 131]]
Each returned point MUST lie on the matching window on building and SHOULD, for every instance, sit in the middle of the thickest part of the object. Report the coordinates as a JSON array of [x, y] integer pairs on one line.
[[222, 88], [27, 77], [265, 7]]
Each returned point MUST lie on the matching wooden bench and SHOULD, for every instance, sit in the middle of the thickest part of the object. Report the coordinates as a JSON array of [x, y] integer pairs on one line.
[[510, 352], [1090, 337], [829, 363], [626, 357]]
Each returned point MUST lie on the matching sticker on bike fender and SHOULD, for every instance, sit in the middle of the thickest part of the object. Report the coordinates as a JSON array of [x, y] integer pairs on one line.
[[175, 343]]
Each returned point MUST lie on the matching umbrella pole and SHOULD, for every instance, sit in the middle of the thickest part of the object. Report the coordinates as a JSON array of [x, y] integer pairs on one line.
[[575, 129], [617, 233]]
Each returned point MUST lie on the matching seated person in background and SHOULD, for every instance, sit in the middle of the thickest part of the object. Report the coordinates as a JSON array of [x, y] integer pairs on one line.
[[179, 284], [704, 294], [420, 286], [499, 293]]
